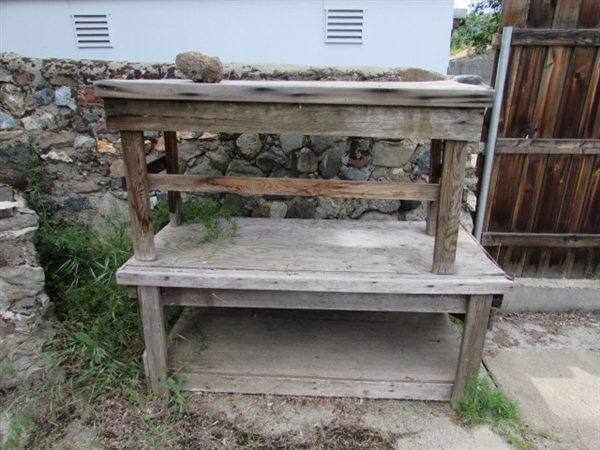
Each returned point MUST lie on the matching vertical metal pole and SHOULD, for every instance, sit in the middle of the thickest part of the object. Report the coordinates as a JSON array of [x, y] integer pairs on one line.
[[490, 144]]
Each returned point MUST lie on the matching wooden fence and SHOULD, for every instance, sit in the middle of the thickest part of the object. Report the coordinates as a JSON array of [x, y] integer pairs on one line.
[[543, 212]]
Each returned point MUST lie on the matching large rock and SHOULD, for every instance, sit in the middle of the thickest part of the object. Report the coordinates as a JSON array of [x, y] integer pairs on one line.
[[44, 96], [393, 153], [241, 168], [64, 97], [331, 163], [38, 121], [354, 174], [303, 161], [15, 101], [321, 143], [207, 168], [302, 208], [415, 74], [7, 122], [199, 67], [270, 159], [249, 145], [333, 208], [220, 159], [291, 142]]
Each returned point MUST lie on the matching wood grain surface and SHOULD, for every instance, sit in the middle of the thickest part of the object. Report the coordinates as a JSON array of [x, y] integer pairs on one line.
[[428, 93], [315, 256]]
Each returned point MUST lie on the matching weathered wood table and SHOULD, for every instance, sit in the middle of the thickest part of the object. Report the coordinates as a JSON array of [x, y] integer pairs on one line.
[[309, 264]]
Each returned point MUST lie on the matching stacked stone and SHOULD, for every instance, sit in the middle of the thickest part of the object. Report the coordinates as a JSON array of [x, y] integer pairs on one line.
[[50, 119], [23, 302]]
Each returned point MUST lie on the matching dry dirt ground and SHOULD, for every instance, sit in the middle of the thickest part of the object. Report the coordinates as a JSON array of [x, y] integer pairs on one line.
[[222, 421]]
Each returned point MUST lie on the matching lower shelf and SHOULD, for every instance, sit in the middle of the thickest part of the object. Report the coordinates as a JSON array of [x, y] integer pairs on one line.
[[316, 353]]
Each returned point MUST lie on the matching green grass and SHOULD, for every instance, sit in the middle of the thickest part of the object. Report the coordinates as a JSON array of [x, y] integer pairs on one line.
[[485, 404]]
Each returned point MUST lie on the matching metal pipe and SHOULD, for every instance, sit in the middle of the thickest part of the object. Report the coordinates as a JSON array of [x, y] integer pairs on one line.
[[490, 144]]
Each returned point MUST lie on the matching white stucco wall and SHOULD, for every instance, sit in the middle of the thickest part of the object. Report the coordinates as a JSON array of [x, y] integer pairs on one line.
[[397, 33]]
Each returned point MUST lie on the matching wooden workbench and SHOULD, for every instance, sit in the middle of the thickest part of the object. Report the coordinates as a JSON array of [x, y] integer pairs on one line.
[[306, 264]]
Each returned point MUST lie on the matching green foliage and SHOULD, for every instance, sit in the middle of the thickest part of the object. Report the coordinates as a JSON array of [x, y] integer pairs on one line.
[[480, 26], [99, 336], [484, 403], [179, 398]]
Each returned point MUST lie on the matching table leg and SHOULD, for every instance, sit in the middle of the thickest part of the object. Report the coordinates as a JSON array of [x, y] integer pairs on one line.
[[172, 158], [471, 347], [448, 221], [138, 195], [155, 338]]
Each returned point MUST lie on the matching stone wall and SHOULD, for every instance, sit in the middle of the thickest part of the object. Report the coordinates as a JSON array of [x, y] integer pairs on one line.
[[53, 137], [23, 302], [50, 116]]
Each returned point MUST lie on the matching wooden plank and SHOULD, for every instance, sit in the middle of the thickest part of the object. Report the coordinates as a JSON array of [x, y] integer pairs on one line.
[[507, 189], [155, 360], [435, 171], [529, 194], [549, 94], [549, 37], [428, 93], [567, 14], [316, 387], [340, 120], [450, 202], [575, 189], [528, 197], [471, 347], [548, 146], [570, 240], [552, 193], [590, 219], [590, 14], [574, 93], [510, 96], [411, 357], [138, 195], [172, 158], [514, 14], [589, 127], [519, 121], [229, 298], [541, 13], [335, 256], [288, 186]]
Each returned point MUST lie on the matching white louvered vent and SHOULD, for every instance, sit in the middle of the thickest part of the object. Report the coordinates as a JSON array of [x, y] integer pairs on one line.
[[344, 26], [91, 30]]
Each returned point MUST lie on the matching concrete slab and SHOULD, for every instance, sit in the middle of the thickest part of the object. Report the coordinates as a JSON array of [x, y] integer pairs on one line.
[[558, 392], [536, 294]]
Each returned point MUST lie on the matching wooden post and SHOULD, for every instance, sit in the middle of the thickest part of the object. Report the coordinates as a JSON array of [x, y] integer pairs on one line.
[[172, 157], [471, 347], [138, 195], [155, 361], [448, 221], [435, 167]]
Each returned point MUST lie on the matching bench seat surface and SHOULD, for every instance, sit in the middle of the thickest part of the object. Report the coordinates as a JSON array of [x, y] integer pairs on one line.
[[317, 256]]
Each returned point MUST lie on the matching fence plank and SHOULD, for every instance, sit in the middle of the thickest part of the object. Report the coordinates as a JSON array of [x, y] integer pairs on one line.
[[549, 37], [590, 14], [553, 80], [590, 218], [514, 14], [541, 13], [527, 79], [509, 174], [557, 240], [574, 93], [548, 146], [567, 14], [589, 126]]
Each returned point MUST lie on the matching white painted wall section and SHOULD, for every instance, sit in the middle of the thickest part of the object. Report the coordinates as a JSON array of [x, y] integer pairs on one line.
[[396, 33]]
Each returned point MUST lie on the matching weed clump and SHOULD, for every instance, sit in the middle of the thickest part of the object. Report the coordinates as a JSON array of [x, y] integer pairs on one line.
[[485, 404]]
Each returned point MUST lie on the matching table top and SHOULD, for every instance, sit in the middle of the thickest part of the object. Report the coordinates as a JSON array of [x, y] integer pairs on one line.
[[426, 94]]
